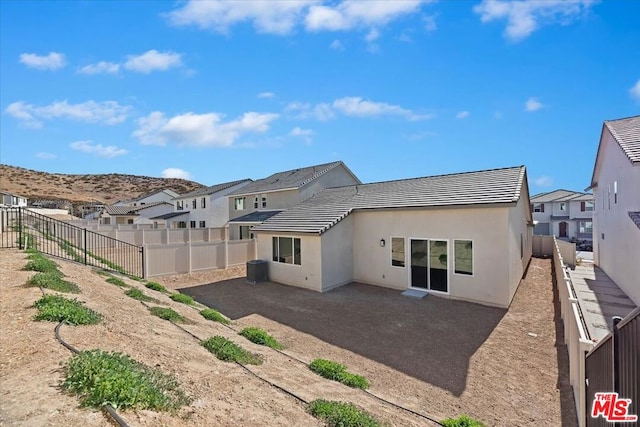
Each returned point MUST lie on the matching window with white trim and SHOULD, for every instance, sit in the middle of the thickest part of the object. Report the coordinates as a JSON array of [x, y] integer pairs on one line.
[[255, 202], [563, 206], [585, 226], [194, 204], [192, 224], [203, 202], [538, 207], [238, 203], [287, 250], [463, 257], [397, 252], [203, 224], [263, 200], [615, 192], [180, 205]]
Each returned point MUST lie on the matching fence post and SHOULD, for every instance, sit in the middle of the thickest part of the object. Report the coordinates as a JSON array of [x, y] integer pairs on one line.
[[616, 354], [20, 229], [144, 264], [84, 245]]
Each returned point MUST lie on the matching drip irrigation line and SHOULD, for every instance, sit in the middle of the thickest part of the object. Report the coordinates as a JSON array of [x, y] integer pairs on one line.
[[110, 410]]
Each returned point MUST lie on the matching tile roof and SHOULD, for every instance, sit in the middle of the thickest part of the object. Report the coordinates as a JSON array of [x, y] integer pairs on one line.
[[170, 215], [294, 178], [258, 216], [561, 196], [213, 189], [635, 217], [627, 133], [130, 210], [327, 208]]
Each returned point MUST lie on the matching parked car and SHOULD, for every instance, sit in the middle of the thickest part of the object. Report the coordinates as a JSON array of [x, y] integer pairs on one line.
[[584, 246]]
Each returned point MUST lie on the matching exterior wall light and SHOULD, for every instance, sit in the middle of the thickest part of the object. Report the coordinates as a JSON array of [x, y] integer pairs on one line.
[[382, 243]]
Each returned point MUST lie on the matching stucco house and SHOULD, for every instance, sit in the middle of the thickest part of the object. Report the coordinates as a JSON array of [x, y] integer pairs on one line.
[[206, 207], [466, 236], [616, 219], [158, 196], [141, 214], [10, 200], [260, 200], [564, 214]]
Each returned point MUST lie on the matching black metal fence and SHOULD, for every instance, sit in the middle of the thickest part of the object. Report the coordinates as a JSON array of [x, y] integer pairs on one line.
[[614, 366], [22, 228]]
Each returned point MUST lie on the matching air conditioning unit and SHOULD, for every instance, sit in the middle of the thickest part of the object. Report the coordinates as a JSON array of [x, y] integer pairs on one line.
[[256, 271]]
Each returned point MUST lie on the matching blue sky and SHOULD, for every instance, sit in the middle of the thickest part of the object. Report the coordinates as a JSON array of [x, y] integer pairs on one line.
[[221, 90]]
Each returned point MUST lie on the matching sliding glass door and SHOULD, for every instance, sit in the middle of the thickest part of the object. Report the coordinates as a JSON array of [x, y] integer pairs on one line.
[[429, 265]]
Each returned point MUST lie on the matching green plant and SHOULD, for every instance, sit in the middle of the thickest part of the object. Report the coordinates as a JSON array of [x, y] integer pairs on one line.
[[259, 336], [101, 378], [337, 372], [212, 314], [156, 287], [118, 282], [56, 308], [461, 421], [37, 262], [53, 281], [136, 293], [184, 299], [230, 352], [167, 314], [340, 414]]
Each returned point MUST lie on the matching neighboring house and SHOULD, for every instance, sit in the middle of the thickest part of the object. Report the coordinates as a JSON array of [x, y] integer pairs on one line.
[[564, 214], [52, 204], [264, 198], [616, 186], [10, 200], [146, 199], [118, 215], [204, 208], [466, 236]]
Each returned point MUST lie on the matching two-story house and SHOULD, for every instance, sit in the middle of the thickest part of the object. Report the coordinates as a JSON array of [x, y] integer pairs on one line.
[[564, 214], [204, 208], [260, 200], [616, 185], [158, 196], [12, 200]]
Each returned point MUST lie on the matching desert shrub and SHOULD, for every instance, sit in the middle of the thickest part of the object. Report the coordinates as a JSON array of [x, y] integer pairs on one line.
[[156, 287], [53, 281], [118, 282], [136, 293], [259, 336], [167, 314], [229, 352], [100, 378], [212, 314], [184, 299], [38, 262], [337, 372], [461, 421], [340, 414], [56, 308]]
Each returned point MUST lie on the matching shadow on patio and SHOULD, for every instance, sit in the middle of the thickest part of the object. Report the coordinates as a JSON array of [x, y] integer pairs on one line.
[[431, 339]]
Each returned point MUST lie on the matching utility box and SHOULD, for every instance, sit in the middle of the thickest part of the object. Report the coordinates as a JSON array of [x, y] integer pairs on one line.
[[256, 271]]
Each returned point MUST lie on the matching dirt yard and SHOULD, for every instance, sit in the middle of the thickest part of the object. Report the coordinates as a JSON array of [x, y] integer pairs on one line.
[[510, 378]]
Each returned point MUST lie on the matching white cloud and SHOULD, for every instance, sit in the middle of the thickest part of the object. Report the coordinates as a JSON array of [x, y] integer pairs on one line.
[[303, 133], [301, 110], [462, 115], [430, 24], [543, 181], [336, 45], [199, 130], [532, 104], [102, 67], [267, 16], [99, 150], [635, 90], [525, 17], [176, 173], [372, 35], [52, 61], [358, 107], [266, 95], [152, 60], [45, 156], [350, 14], [106, 112]]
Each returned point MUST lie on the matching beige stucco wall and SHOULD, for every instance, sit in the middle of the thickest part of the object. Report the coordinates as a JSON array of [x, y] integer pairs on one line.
[[337, 177], [488, 228], [518, 227], [307, 275], [337, 255], [618, 251]]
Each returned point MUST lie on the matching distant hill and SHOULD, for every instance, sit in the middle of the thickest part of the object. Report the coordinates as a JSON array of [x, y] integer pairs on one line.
[[102, 188]]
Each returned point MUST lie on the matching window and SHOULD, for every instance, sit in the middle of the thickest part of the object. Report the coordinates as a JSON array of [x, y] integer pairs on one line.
[[182, 224], [585, 226], [538, 207], [203, 224], [586, 206], [180, 205], [129, 221], [463, 253], [609, 196], [192, 224], [194, 204], [521, 246], [264, 200], [203, 202], [106, 221], [397, 252], [563, 206], [245, 232], [286, 250], [255, 202], [239, 203], [615, 192]]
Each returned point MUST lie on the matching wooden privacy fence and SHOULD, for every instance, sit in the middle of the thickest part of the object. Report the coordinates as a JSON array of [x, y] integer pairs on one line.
[[614, 366], [23, 228]]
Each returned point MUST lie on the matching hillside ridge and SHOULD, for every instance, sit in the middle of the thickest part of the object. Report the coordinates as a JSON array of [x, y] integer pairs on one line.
[[85, 188]]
